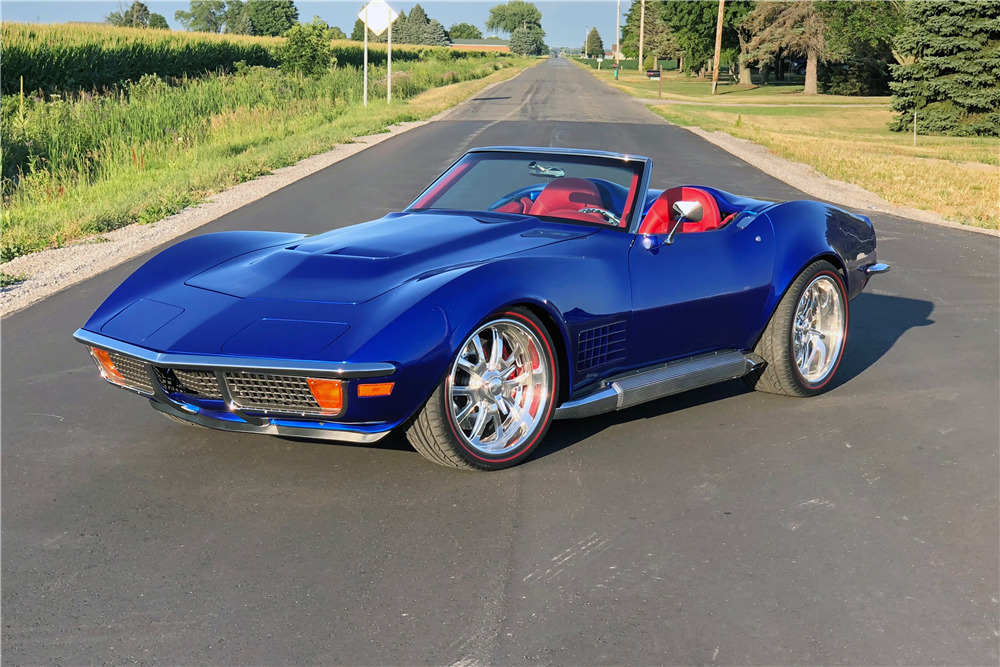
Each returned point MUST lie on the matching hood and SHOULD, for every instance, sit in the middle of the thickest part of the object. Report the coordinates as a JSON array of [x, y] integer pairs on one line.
[[356, 264]]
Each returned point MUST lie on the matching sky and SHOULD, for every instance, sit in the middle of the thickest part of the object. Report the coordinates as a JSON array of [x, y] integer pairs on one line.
[[565, 23]]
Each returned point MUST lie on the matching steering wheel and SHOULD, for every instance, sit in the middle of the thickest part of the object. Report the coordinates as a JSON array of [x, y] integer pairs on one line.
[[606, 214]]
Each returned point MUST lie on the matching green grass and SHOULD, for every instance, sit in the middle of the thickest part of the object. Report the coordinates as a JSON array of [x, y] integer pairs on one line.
[[6, 279], [678, 87], [82, 166], [956, 177]]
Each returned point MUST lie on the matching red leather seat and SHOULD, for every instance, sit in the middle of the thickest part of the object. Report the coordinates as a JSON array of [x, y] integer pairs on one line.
[[659, 219], [564, 197], [516, 206]]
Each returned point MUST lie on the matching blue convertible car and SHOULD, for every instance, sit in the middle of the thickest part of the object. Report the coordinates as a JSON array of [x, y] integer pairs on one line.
[[524, 285]]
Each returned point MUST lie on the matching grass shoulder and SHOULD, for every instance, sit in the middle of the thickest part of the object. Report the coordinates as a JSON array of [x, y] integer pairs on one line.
[[141, 157], [955, 177]]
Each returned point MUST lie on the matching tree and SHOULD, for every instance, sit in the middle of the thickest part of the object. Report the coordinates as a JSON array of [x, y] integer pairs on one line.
[[693, 25], [237, 19], [797, 28], [435, 34], [358, 33], [307, 48], [513, 15], [335, 33], [594, 46], [204, 16], [658, 39], [952, 81], [527, 40], [862, 34], [136, 16], [158, 22], [272, 17], [464, 31]]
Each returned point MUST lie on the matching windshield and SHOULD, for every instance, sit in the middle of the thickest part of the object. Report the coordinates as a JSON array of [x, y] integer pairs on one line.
[[593, 190]]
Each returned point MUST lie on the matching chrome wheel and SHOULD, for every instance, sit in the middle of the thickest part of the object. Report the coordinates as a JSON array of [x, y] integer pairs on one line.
[[499, 388], [818, 329]]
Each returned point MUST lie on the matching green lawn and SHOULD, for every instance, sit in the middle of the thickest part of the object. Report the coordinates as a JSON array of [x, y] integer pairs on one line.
[[677, 86], [956, 177]]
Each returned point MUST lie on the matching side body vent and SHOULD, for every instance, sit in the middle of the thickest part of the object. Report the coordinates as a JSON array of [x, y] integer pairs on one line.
[[601, 346]]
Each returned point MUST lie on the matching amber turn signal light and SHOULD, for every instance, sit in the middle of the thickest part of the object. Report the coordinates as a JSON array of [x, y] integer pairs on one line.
[[379, 389], [329, 394], [108, 369]]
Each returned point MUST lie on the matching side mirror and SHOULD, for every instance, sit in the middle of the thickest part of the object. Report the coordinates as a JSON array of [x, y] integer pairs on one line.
[[691, 211]]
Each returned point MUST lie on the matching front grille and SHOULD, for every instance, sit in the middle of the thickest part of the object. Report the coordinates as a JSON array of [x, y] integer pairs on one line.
[[254, 391], [201, 384], [133, 370]]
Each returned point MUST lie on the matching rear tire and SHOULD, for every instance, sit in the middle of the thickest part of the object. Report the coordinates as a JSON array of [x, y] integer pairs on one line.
[[805, 339], [496, 403]]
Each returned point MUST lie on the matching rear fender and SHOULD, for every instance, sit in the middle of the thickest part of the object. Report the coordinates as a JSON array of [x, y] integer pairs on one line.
[[805, 231]]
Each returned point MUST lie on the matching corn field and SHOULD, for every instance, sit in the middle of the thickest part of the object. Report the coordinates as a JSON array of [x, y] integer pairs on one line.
[[62, 151], [54, 58]]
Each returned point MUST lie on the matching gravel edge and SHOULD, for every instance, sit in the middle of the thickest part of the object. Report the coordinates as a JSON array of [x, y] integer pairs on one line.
[[49, 271], [815, 184]]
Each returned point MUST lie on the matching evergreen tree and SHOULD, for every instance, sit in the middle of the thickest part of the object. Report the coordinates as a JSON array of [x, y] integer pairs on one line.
[[464, 31], [272, 17], [594, 46], [953, 83], [417, 25], [158, 22], [435, 35], [527, 41], [358, 33], [401, 30]]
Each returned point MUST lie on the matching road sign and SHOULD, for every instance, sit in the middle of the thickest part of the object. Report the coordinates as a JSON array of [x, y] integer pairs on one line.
[[377, 15]]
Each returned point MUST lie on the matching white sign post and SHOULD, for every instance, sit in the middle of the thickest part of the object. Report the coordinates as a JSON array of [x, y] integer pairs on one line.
[[377, 17]]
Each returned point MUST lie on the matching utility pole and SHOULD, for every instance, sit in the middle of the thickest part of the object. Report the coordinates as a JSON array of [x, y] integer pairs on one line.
[[642, 31], [618, 34], [718, 47], [586, 42]]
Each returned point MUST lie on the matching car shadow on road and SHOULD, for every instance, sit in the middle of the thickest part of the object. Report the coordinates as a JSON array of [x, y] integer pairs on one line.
[[877, 323]]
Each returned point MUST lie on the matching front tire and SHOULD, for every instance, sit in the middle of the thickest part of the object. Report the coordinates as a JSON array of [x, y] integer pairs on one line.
[[496, 403], [805, 339]]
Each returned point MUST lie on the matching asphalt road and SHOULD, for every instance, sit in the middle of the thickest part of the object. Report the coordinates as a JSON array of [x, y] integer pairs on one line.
[[716, 527]]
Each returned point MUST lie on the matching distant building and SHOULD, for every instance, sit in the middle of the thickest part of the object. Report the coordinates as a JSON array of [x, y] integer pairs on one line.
[[501, 45]]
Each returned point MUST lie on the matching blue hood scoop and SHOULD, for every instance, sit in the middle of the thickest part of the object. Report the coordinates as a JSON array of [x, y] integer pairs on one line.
[[358, 263]]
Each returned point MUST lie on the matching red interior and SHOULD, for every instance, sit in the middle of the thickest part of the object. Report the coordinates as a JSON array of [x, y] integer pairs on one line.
[[516, 206], [659, 219], [564, 197]]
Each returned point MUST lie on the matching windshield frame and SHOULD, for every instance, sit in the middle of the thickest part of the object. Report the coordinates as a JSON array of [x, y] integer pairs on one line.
[[631, 217]]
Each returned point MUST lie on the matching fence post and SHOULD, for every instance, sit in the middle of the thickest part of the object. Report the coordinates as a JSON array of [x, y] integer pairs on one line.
[[914, 127]]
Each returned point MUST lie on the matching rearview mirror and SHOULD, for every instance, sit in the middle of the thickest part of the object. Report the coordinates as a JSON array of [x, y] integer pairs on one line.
[[536, 169], [691, 211]]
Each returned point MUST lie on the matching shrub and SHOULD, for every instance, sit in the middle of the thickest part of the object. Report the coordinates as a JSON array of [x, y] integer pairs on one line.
[[307, 49]]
